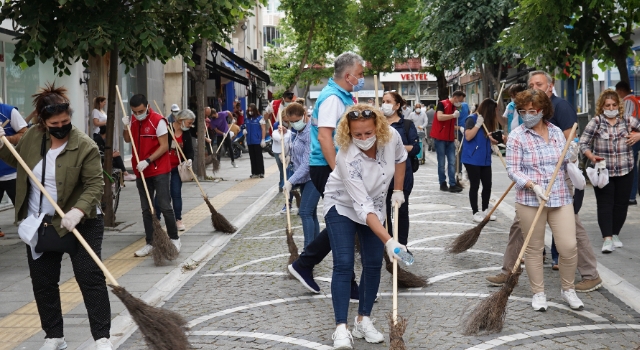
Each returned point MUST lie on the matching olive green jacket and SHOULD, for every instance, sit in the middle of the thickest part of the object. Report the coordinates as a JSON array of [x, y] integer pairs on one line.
[[78, 173]]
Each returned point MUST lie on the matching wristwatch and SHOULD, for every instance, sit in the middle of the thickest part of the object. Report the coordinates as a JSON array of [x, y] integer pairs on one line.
[[148, 160]]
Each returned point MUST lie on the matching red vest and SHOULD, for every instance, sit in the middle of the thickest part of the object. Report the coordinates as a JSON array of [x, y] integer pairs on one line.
[[143, 135], [444, 131]]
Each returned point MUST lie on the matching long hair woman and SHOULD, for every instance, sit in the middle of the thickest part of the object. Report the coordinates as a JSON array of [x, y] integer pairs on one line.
[[99, 116], [67, 162], [476, 155], [609, 137], [371, 153], [533, 150]]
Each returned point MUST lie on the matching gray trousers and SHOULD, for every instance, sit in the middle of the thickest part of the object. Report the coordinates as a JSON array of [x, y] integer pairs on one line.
[[159, 186]]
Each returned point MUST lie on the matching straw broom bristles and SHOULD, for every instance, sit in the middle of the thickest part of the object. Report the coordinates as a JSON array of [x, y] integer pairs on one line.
[[219, 222], [163, 248], [406, 279], [396, 331]]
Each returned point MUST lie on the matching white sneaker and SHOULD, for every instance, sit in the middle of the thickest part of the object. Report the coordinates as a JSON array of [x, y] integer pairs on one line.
[[144, 251], [180, 225], [478, 217], [492, 218], [539, 302], [616, 241], [366, 330], [177, 244], [572, 299], [607, 246], [130, 177], [342, 338], [103, 344], [233, 164], [54, 344]]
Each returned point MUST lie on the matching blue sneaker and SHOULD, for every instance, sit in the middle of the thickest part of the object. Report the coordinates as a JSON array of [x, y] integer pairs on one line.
[[305, 276], [355, 293]]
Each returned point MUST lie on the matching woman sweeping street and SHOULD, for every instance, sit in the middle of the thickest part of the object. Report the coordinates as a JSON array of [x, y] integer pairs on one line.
[[295, 115], [68, 164], [609, 138], [255, 132], [183, 122], [533, 150], [476, 155], [370, 153]]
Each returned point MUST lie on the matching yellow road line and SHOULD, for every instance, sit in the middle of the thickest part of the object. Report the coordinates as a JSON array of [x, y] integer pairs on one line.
[[23, 323]]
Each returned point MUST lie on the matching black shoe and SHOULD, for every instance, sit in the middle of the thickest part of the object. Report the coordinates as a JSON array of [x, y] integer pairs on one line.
[[633, 202], [355, 292], [454, 189], [280, 189], [444, 187], [305, 276]]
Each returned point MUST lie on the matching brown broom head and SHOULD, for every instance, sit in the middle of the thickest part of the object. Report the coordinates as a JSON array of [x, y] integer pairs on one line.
[[296, 195], [219, 222], [406, 279], [488, 316], [467, 239], [163, 249], [396, 331], [216, 164], [161, 328], [293, 248]]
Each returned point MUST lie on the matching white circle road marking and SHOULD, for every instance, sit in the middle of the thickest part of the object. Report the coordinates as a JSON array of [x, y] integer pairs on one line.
[[235, 268], [273, 337]]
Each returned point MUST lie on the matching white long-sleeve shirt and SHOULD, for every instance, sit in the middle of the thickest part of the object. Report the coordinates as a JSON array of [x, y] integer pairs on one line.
[[347, 189], [276, 147]]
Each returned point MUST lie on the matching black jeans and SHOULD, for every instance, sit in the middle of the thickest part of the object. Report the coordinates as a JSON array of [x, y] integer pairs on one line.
[[227, 145], [118, 163], [45, 276], [613, 202], [320, 247], [257, 161], [403, 217], [160, 192], [479, 174], [9, 187]]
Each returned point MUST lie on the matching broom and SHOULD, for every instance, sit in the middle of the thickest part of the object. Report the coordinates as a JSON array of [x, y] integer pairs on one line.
[[162, 246], [489, 315], [214, 156], [405, 278], [468, 238], [219, 222], [291, 244], [397, 325], [162, 329], [458, 183]]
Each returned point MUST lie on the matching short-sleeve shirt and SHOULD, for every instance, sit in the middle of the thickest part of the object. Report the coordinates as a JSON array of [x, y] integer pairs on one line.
[[17, 123], [564, 116], [513, 118], [98, 114]]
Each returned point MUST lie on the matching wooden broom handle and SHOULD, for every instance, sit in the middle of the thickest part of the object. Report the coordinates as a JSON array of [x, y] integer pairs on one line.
[[396, 210], [546, 193], [135, 152], [222, 142], [182, 153], [84, 243], [206, 130], [284, 171], [486, 131], [500, 200]]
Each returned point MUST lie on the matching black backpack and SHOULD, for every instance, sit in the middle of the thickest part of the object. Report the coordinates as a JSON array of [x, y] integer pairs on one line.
[[415, 163]]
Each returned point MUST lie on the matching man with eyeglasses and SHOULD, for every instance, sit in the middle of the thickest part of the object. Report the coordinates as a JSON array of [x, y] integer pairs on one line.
[[564, 116], [150, 136], [331, 104]]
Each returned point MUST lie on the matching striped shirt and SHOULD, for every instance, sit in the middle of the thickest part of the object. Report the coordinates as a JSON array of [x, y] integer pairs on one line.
[[530, 158], [631, 106], [300, 150], [608, 141]]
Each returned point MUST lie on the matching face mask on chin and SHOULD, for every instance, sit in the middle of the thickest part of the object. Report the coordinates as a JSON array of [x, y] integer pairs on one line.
[[183, 127], [142, 116]]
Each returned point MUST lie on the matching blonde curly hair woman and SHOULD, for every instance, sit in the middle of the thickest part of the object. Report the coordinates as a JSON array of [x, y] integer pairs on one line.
[[369, 148]]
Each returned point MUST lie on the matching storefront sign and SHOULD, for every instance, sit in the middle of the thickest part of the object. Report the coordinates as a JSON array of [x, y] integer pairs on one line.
[[405, 76]]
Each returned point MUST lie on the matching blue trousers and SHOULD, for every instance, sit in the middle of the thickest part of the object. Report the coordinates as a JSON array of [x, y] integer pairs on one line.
[[342, 232], [446, 149], [175, 187], [309, 212]]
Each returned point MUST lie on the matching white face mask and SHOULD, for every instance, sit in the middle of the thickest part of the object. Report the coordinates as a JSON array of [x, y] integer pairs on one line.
[[365, 144], [531, 120], [418, 110], [184, 127], [457, 104], [610, 113], [387, 109]]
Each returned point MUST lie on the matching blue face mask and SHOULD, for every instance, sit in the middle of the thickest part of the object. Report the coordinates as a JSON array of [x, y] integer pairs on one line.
[[358, 86]]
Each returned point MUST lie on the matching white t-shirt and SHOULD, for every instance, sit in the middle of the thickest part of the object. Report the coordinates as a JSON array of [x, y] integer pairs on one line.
[[162, 128], [276, 146], [49, 183], [17, 123], [331, 110], [97, 114]]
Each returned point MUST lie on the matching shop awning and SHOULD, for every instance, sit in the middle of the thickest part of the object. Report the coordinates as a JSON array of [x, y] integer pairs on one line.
[[242, 63], [223, 71]]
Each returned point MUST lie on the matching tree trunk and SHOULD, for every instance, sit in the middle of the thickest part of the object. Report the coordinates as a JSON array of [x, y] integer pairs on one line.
[[621, 63], [486, 77], [107, 197], [303, 62], [443, 91], [589, 84], [201, 81], [306, 91]]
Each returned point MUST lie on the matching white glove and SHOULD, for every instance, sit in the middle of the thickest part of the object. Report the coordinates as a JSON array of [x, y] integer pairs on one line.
[[263, 144], [456, 114], [397, 197], [391, 245], [603, 179], [231, 135], [143, 164], [539, 191], [188, 162], [479, 121], [244, 132], [574, 151], [71, 219], [126, 120], [462, 130], [287, 187], [2, 133]]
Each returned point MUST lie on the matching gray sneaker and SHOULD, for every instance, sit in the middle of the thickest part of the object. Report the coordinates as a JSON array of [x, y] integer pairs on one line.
[[607, 246], [616, 241], [233, 164]]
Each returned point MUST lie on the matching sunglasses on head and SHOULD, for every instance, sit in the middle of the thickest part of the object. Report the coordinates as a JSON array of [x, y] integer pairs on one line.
[[366, 114], [55, 108]]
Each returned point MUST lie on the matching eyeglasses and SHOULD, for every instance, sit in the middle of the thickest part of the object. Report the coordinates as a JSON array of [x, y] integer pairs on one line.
[[530, 111], [366, 114], [55, 108]]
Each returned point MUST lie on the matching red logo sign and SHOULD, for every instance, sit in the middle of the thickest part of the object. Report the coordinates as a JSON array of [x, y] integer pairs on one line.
[[419, 76]]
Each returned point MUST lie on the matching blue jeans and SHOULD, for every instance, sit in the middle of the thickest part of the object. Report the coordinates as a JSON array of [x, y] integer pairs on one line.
[[309, 212], [342, 237], [446, 149], [175, 187], [634, 185]]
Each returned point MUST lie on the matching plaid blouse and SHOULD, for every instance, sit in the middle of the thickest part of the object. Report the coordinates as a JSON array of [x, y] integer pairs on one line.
[[530, 158], [609, 142]]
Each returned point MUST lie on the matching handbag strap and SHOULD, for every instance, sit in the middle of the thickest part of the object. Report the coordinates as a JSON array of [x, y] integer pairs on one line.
[[170, 125], [44, 168]]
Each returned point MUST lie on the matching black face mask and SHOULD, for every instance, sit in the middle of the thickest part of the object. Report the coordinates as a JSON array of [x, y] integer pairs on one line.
[[60, 132]]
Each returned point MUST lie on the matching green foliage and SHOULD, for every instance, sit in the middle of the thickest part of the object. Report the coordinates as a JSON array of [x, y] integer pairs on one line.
[[69, 30]]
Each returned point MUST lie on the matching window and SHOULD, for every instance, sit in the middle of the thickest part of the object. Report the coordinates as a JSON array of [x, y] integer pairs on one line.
[[270, 35], [272, 6]]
